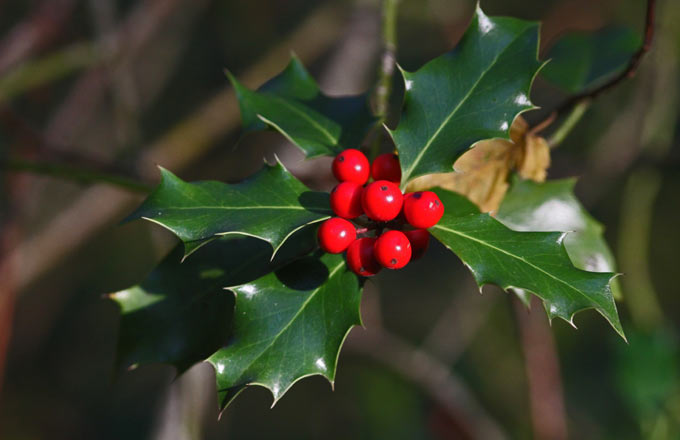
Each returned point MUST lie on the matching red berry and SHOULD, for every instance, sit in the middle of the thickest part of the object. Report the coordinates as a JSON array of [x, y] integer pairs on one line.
[[346, 200], [423, 209], [420, 239], [351, 166], [393, 250], [386, 167], [360, 257], [382, 200], [336, 234]]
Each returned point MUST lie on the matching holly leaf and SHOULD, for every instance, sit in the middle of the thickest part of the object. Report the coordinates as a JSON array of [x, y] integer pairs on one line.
[[180, 314], [469, 94], [271, 205], [482, 172], [288, 325], [293, 104], [580, 61], [533, 261], [552, 206]]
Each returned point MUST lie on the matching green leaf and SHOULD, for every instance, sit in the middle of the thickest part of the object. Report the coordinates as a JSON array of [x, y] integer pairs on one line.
[[552, 206], [580, 61], [469, 94], [288, 325], [533, 261], [180, 314], [271, 205], [293, 104]]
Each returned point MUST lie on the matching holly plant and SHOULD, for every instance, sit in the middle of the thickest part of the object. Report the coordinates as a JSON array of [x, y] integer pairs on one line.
[[268, 279]]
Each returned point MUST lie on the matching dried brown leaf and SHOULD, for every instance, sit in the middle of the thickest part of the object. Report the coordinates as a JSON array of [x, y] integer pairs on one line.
[[482, 172]]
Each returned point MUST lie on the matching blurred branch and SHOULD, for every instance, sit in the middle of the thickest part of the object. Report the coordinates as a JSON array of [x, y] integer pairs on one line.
[[635, 231], [125, 96], [81, 174], [213, 120], [629, 72], [49, 68], [34, 33], [119, 48], [458, 324], [548, 416], [433, 378]]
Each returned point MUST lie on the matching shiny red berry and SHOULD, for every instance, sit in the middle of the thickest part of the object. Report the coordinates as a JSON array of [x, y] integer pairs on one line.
[[423, 209], [346, 200], [336, 234], [386, 167], [361, 258], [351, 166], [420, 240], [393, 250], [382, 200]]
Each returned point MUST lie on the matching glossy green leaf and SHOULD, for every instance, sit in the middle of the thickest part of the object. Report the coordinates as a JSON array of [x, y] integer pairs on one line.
[[533, 261], [293, 104], [581, 61], [552, 206], [288, 325], [469, 94], [271, 206], [180, 314]]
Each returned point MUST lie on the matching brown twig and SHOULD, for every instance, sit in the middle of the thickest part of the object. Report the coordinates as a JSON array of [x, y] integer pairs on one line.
[[546, 400], [35, 32], [627, 73], [213, 120], [433, 377]]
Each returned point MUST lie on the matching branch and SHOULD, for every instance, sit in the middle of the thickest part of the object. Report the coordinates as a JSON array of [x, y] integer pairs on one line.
[[628, 72], [548, 416], [80, 174], [389, 59], [432, 377]]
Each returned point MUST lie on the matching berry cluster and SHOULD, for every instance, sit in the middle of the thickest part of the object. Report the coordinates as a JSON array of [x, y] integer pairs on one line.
[[393, 225]]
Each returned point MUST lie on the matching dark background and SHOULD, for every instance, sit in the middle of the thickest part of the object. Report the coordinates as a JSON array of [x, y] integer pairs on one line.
[[128, 84]]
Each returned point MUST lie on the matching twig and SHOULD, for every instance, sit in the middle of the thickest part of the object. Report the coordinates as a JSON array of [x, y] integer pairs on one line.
[[389, 58], [433, 378], [569, 123], [460, 321], [213, 120], [546, 399], [639, 195], [628, 72], [34, 33], [81, 174]]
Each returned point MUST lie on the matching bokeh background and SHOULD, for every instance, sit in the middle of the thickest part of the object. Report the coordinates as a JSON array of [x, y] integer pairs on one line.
[[117, 86]]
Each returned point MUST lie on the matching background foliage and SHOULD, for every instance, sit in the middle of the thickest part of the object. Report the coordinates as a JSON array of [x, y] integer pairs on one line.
[[164, 99]]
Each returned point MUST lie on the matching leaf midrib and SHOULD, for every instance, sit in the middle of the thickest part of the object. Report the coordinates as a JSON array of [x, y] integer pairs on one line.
[[329, 137], [418, 158], [461, 234], [290, 322]]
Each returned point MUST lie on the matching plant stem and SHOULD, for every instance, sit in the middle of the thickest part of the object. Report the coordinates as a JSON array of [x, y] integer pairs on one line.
[[75, 173], [628, 72], [389, 57], [639, 195], [569, 123]]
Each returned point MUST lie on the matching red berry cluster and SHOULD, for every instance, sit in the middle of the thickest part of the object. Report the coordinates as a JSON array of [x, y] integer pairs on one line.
[[394, 225]]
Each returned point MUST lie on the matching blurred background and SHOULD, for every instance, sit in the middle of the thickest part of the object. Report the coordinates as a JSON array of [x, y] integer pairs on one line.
[[102, 90]]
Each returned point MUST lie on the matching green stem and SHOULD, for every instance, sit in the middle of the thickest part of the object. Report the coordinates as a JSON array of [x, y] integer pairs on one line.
[[384, 89], [75, 173], [569, 123], [639, 195]]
